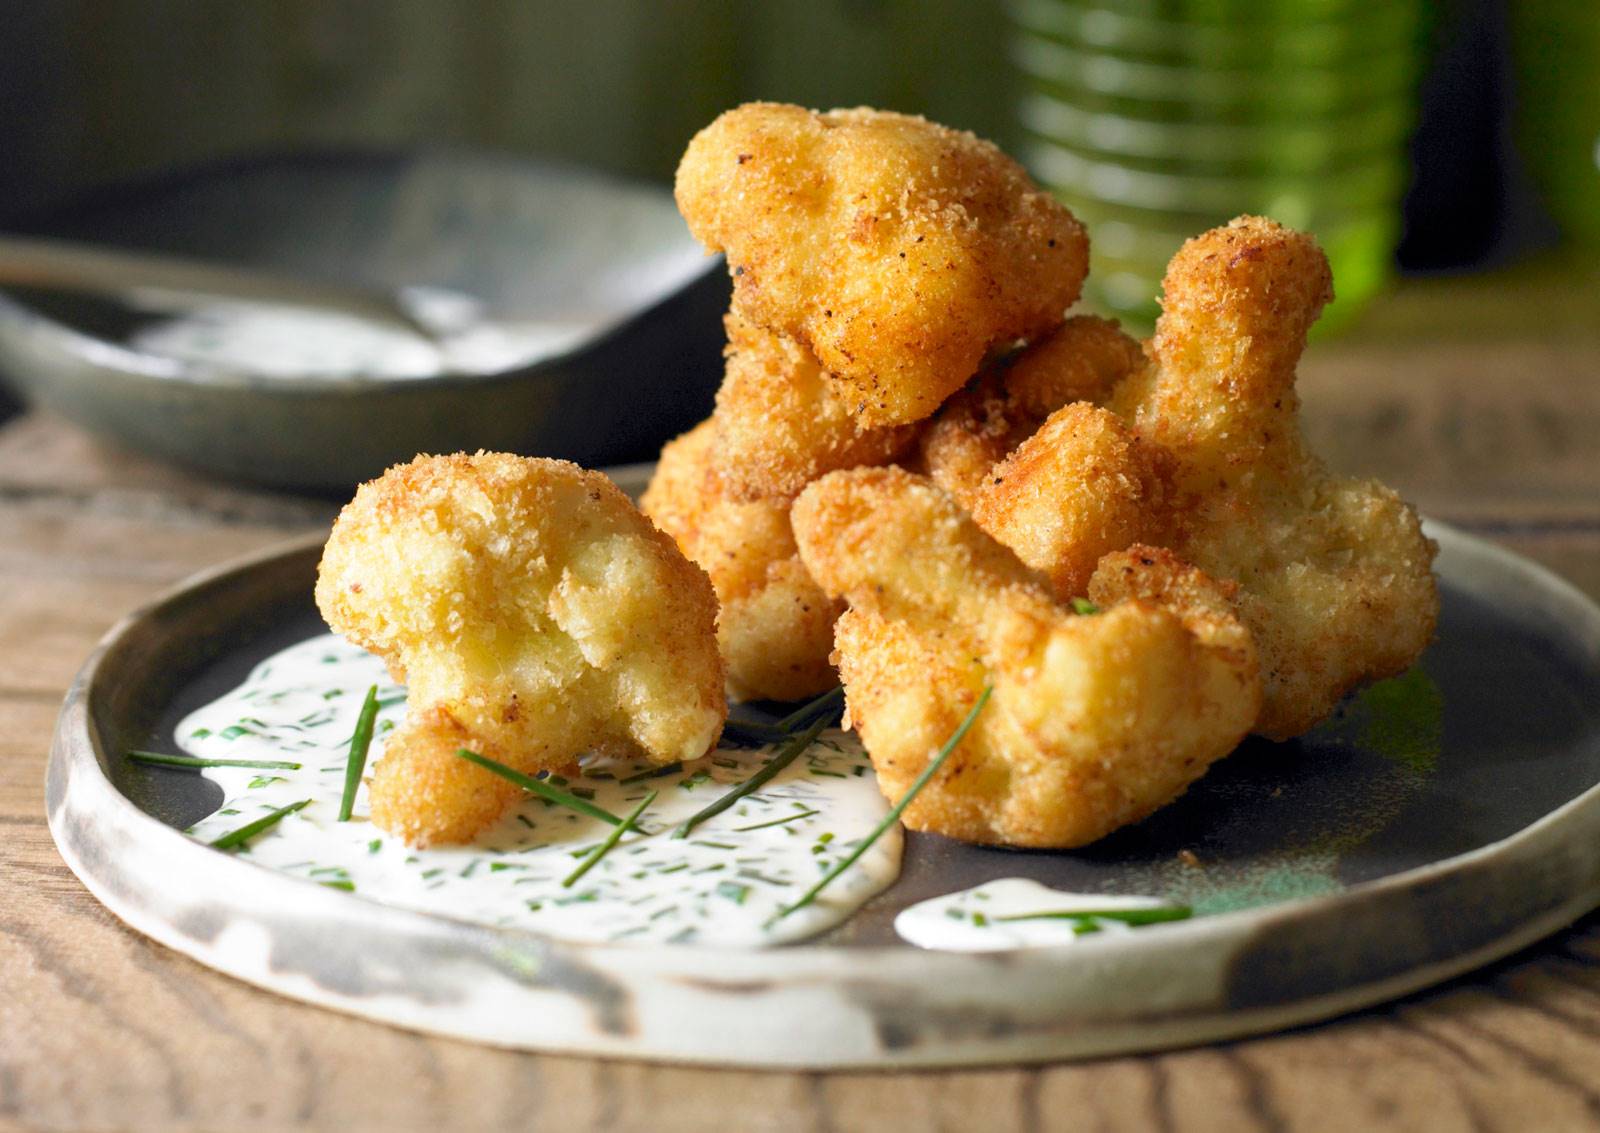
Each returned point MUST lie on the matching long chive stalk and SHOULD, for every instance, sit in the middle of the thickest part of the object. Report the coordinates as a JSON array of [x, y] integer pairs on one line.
[[822, 705], [1126, 916], [753, 731], [785, 756], [612, 839], [895, 811], [795, 817], [161, 759], [538, 787], [250, 829], [356, 761]]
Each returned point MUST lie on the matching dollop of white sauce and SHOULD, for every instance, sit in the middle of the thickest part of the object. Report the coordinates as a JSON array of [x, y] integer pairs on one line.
[[722, 885], [293, 342], [978, 919]]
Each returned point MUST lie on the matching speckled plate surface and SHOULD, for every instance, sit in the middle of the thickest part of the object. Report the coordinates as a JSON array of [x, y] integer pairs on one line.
[[1441, 821]]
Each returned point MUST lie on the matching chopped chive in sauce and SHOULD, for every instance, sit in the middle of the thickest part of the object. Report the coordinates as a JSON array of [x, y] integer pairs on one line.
[[755, 731], [895, 812], [375, 845], [785, 756], [612, 839], [356, 762], [652, 773], [733, 891], [1126, 916], [164, 760], [776, 821], [544, 790], [822, 705], [250, 829]]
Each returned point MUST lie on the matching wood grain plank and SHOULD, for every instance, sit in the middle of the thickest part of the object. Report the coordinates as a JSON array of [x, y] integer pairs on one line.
[[1494, 426]]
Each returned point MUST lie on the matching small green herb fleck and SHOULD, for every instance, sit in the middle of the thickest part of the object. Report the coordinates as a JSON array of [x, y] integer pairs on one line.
[[612, 839], [733, 891], [652, 773], [164, 760], [781, 759], [895, 812], [356, 762], [1134, 917], [536, 787], [776, 821], [1084, 606], [250, 829]]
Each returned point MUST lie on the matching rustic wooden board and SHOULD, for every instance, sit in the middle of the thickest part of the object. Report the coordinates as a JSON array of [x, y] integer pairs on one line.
[[102, 1029]]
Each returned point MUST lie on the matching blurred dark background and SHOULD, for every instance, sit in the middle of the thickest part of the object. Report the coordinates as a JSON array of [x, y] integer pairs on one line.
[[97, 91], [1502, 111]]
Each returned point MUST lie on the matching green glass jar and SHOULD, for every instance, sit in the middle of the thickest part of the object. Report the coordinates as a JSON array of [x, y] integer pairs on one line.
[[1157, 119]]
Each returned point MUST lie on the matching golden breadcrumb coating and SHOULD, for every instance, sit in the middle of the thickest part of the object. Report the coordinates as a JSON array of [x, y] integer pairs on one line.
[[534, 616], [1081, 487], [899, 252], [1081, 361], [1335, 574], [775, 628], [1095, 720], [779, 423]]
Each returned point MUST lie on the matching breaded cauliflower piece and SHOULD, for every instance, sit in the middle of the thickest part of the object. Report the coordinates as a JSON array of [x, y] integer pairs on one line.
[[978, 427], [1081, 487], [1095, 720], [1335, 576], [779, 423], [775, 627], [533, 614], [899, 252]]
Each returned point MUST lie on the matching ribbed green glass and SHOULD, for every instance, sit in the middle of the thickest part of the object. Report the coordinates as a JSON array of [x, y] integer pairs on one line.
[[1157, 119]]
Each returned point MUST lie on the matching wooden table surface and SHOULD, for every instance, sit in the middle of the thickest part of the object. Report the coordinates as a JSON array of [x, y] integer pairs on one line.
[[1480, 399]]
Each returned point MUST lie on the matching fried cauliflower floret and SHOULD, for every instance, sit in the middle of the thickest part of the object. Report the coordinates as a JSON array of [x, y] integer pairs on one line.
[[1081, 487], [779, 423], [1335, 576], [1095, 721], [978, 427], [775, 628], [899, 252], [534, 616]]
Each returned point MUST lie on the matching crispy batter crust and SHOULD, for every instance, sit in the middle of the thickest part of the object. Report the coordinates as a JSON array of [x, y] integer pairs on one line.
[[1079, 488], [1095, 721], [899, 252], [775, 628], [976, 429], [535, 616], [1335, 574], [779, 423]]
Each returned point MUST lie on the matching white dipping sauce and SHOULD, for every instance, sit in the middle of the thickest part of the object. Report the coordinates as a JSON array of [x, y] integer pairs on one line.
[[292, 342], [722, 885], [974, 920]]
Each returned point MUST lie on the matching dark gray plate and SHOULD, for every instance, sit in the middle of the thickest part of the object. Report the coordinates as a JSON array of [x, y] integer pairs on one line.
[[1442, 820], [534, 241]]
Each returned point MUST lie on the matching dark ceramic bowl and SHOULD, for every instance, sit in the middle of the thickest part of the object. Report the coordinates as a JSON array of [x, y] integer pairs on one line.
[[531, 240]]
